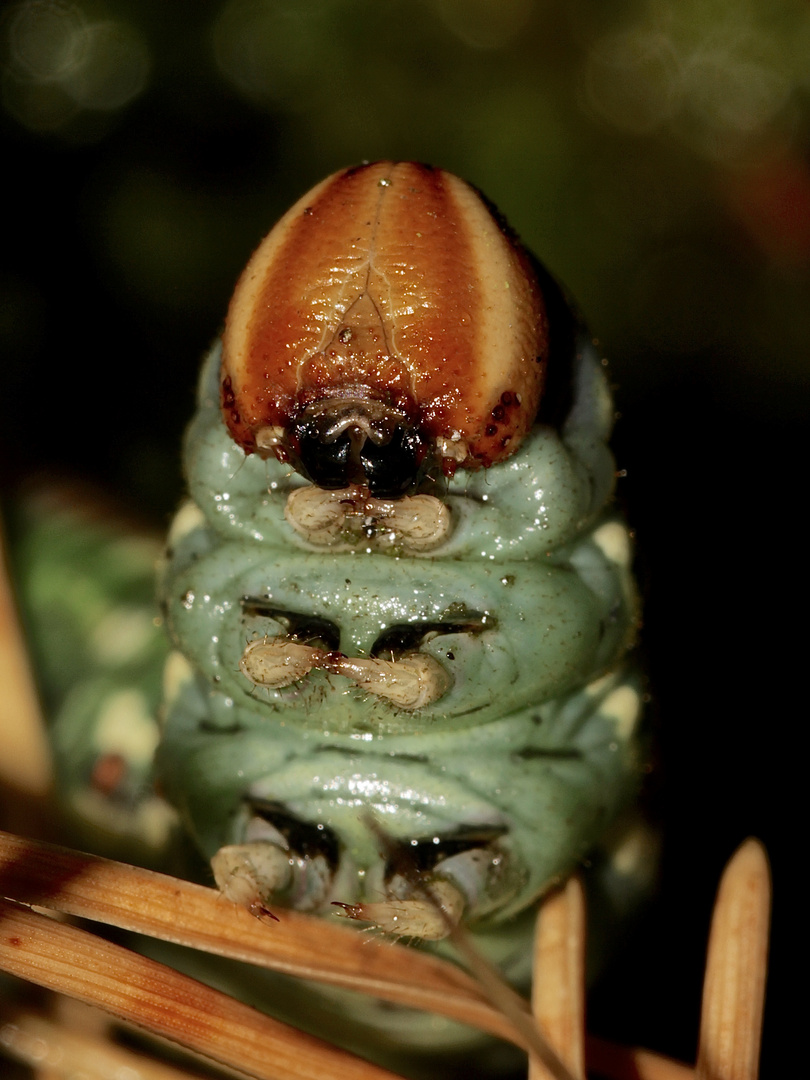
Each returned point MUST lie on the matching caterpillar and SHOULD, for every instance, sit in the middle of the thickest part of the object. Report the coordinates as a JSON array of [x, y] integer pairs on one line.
[[399, 591], [399, 585]]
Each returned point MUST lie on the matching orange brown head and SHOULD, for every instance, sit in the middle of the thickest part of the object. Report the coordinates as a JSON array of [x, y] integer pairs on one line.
[[389, 323]]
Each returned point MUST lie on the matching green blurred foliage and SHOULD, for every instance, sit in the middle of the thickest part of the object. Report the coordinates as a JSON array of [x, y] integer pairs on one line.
[[654, 153]]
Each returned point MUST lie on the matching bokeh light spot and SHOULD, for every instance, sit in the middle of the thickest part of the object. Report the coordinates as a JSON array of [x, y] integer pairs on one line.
[[45, 39], [114, 70], [485, 24], [269, 49], [632, 80], [58, 64]]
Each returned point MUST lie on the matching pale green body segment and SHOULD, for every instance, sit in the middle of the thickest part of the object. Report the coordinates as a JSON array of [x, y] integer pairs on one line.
[[86, 589], [536, 738]]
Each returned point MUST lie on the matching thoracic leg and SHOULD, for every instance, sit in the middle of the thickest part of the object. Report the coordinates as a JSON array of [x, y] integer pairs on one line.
[[410, 681], [431, 917], [350, 518], [282, 862], [423, 892], [428, 905]]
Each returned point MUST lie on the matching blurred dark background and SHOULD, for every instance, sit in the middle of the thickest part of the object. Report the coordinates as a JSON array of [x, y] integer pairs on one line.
[[654, 153]]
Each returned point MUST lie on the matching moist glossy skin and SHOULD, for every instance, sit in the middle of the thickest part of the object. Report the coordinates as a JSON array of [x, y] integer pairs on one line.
[[391, 285]]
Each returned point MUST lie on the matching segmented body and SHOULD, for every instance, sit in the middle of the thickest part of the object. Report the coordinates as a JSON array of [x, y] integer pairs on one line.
[[454, 666], [399, 587]]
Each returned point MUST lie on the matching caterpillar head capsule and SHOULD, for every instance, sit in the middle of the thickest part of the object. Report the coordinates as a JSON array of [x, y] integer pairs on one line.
[[388, 326]]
